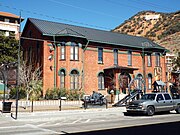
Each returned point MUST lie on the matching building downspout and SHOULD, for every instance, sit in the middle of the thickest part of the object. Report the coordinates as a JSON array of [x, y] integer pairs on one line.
[[83, 78], [54, 61], [144, 69]]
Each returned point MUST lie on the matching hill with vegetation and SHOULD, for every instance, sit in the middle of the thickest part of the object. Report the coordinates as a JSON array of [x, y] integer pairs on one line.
[[162, 28]]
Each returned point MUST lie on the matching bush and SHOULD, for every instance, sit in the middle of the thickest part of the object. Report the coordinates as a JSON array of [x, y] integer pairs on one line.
[[69, 94], [21, 94], [51, 94]]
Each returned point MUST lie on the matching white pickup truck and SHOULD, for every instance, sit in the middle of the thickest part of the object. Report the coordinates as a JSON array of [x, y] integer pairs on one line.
[[154, 102]]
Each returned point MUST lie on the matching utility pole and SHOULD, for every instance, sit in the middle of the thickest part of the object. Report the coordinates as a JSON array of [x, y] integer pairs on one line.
[[18, 70]]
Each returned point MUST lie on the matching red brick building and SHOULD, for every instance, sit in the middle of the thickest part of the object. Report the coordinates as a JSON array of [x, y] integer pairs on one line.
[[86, 59]]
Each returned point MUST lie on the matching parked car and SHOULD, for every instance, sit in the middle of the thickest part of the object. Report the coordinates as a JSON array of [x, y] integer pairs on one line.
[[154, 102]]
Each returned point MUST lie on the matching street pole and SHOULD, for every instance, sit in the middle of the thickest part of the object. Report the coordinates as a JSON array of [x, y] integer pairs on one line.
[[4, 90], [18, 70]]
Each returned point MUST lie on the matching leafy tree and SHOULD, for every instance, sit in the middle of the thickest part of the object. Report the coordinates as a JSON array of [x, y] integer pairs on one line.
[[8, 49], [176, 62]]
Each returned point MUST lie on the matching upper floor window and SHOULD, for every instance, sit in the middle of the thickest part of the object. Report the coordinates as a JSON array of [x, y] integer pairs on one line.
[[63, 52], [115, 57], [101, 80], [129, 58], [74, 84], [6, 20], [100, 55], [157, 59], [74, 51], [149, 60]]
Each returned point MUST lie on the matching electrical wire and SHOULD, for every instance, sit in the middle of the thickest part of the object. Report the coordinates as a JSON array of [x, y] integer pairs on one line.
[[85, 9], [52, 17], [147, 3]]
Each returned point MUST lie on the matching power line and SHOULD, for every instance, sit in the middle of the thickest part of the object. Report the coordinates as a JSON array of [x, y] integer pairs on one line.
[[57, 18], [146, 3], [118, 3], [85, 9]]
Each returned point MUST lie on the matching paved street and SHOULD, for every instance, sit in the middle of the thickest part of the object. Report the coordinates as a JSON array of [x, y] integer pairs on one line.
[[56, 122]]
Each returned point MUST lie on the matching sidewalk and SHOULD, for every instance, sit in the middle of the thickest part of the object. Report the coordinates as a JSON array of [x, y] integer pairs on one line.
[[55, 114]]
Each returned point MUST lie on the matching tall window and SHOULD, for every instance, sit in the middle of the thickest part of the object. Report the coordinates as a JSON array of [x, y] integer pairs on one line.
[[101, 80], [63, 52], [74, 51], [62, 78], [30, 54], [157, 59], [74, 79], [139, 81], [129, 58], [115, 57], [149, 81], [100, 55], [38, 52], [149, 60]]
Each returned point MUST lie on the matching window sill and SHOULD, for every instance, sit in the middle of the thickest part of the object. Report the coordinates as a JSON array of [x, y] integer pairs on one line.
[[74, 60], [100, 62], [101, 89]]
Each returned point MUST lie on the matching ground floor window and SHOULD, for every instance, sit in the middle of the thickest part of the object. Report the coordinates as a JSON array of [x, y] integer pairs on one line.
[[139, 81], [101, 80], [74, 84], [149, 81], [62, 78]]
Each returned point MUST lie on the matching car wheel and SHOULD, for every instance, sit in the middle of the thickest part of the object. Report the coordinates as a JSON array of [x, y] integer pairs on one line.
[[150, 111], [178, 109]]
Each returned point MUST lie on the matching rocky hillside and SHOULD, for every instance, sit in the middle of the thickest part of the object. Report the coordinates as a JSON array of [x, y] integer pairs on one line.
[[163, 28]]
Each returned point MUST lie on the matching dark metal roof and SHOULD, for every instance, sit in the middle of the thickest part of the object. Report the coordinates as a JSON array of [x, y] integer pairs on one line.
[[120, 67], [93, 35]]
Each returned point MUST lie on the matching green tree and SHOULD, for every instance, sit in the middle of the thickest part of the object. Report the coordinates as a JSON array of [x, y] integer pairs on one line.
[[8, 49], [176, 62]]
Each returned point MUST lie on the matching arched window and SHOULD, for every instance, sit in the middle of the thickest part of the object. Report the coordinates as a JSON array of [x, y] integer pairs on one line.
[[62, 78], [149, 81], [101, 80], [139, 81], [74, 79]]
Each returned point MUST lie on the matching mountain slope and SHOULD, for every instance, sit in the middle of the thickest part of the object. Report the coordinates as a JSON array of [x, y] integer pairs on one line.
[[163, 28]]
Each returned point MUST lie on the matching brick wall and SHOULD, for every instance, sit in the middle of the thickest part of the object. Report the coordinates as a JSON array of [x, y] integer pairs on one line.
[[89, 65]]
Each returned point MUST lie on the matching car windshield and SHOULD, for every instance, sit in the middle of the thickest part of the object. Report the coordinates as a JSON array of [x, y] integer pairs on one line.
[[148, 97]]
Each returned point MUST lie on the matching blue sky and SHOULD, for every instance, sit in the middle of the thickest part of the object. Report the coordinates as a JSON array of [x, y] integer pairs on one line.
[[99, 14]]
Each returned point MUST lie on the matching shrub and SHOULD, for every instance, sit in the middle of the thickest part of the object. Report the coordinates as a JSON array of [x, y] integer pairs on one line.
[[69, 94], [21, 94]]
